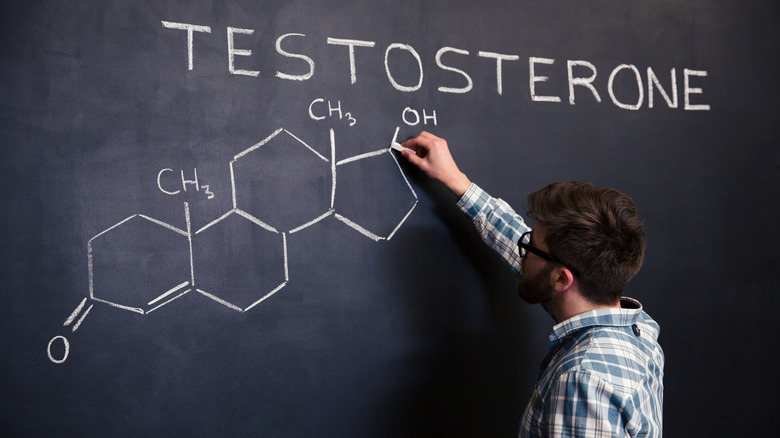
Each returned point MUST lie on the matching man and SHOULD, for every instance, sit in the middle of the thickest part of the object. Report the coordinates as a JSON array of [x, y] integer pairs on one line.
[[603, 375]]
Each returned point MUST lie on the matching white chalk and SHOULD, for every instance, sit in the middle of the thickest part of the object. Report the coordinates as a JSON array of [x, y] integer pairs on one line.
[[400, 148]]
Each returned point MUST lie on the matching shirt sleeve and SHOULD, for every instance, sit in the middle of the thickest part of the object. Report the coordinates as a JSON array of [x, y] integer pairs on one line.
[[582, 404], [496, 222]]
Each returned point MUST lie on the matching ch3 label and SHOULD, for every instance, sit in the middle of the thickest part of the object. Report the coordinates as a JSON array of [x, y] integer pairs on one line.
[[168, 184], [320, 109]]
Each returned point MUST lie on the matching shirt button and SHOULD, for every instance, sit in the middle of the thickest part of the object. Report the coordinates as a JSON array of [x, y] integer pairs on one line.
[[635, 328]]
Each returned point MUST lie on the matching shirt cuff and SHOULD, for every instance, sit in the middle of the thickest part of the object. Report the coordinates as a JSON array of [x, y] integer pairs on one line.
[[473, 201]]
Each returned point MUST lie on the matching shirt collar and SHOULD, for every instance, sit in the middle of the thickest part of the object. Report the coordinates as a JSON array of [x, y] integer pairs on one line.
[[628, 313]]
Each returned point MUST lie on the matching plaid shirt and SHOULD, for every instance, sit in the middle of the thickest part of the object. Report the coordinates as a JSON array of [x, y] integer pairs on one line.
[[603, 375]]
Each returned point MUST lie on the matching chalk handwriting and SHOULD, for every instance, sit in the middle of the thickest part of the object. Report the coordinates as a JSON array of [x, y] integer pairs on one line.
[[184, 183], [317, 111], [412, 117], [580, 74]]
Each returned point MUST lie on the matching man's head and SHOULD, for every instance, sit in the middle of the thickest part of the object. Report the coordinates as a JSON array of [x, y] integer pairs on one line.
[[593, 231]]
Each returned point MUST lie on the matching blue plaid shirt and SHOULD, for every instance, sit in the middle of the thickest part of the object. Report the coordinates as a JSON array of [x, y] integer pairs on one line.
[[603, 375]]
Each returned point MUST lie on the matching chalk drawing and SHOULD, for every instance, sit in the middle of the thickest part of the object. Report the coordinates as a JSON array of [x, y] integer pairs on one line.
[[469, 82], [65, 344], [305, 58], [534, 63], [499, 70], [184, 183], [416, 56], [351, 120], [155, 236], [638, 83], [534, 78], [351, 44], [190, 28], [652, 81], [232, 52], [687, 73], [408, 112], [585, 82]]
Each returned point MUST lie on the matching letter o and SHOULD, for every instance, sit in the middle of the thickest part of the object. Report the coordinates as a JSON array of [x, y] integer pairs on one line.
[[416, 116], [414, 53], [638, 83], [67, 349]]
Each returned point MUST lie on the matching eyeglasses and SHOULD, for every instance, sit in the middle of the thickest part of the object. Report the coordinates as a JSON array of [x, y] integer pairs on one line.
[[525, 247]]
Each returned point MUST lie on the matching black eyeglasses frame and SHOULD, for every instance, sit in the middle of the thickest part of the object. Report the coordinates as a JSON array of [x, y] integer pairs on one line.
[[525, 248]]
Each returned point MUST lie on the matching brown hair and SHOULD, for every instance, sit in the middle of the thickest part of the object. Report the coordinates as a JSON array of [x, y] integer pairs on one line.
[[595, 231]]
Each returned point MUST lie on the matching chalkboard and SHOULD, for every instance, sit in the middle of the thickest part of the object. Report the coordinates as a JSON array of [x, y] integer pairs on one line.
[[205, 231]]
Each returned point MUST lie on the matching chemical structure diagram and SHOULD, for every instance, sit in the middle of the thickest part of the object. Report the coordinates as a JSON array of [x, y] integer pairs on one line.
[[131, 264]]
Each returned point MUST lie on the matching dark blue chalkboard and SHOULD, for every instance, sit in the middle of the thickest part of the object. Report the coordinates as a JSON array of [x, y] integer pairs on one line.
[[205, 232]]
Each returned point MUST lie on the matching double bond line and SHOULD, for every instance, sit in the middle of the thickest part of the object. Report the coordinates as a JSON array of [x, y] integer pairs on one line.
[[75, 314]]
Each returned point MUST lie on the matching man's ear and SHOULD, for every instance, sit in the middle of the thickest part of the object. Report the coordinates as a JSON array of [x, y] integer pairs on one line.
[[562, 278]]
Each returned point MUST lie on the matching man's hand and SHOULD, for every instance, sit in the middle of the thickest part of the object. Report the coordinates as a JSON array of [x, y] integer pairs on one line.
[[434, 158]]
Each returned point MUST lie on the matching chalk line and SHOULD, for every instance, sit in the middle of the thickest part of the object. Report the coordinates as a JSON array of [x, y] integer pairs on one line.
[[332, 168], [310, 148], [258, 145], [359, 229], [399, 148], [362, 156], [65, 344], [163, 224], [169, 292], [220, 300], [90, 269], [284, 243], [402, 220], [78, 324], [312, 222], [395, 136], [408, 184], [120, 306], [75, 312], [189, 239], [111, 228], [215, 221], [256, 221], [233, 185], [174, 298], [268, 295]]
